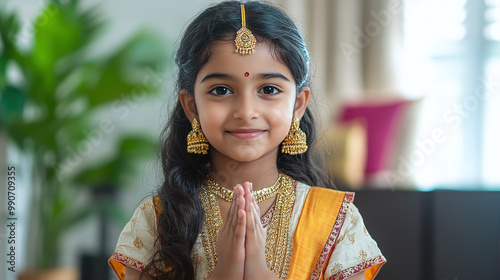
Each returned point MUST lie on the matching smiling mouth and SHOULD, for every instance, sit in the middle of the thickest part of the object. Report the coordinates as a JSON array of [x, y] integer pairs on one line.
[[246, 133]]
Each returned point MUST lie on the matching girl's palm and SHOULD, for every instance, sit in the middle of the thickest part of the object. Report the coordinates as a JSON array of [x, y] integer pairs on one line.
[[242, 241], [255, 241], [231, 241]]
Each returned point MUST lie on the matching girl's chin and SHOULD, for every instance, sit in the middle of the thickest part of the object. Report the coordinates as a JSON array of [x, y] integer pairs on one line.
[[248, 154]]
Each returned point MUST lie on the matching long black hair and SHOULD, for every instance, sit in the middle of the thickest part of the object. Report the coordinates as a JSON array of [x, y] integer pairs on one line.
[[181, 220]]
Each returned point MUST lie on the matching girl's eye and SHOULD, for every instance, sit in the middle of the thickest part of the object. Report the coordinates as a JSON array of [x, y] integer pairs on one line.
[[269, 90], [221, 91]]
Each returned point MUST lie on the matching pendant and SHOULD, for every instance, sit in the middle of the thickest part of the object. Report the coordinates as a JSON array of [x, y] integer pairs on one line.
[[245, 41]]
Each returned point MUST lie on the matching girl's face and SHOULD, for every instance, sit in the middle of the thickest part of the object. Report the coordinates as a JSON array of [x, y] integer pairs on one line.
[[245, 103]]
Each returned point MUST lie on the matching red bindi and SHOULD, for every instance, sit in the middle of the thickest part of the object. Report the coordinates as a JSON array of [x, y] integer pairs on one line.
[[247, 74]]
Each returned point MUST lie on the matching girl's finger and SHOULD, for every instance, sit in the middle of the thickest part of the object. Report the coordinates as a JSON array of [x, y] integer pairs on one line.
[[236, 203], [235, 208], [247, 188], [249, 212], [257, 209], [240, 232], [256, 213]]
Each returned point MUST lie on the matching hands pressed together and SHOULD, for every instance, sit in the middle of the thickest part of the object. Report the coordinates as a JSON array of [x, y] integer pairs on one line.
[[242, 241]]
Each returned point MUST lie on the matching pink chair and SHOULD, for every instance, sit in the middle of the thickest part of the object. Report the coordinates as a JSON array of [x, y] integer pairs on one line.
[[383, 122]]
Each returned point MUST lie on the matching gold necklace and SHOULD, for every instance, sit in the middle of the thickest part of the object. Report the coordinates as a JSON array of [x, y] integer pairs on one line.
[[227, 194], [279, 241]]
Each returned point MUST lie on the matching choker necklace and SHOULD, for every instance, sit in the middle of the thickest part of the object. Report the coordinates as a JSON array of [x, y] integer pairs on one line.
[[227, 194]]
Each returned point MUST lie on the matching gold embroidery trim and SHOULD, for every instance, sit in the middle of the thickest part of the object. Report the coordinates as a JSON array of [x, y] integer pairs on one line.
[[266, 219], [211, 226], [330, 243], [131, 262], [348, 272]]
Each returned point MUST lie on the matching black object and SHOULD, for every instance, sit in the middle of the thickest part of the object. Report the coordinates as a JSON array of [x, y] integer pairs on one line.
[[438, 235], [95, 266]]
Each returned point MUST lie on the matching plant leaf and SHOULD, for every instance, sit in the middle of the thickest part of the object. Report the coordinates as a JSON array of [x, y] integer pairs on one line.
[[130, 72], [12, 102], [60, 30]]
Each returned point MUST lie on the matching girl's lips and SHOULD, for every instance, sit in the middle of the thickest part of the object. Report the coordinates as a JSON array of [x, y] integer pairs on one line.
[[246, 133]]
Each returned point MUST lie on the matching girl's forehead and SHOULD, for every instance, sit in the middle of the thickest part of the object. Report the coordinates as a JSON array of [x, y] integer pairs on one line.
[[223, 57]]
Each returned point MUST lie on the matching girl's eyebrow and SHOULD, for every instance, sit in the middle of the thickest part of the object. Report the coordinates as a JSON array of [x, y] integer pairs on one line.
[[218, 75], [262, 76], [265, 76]]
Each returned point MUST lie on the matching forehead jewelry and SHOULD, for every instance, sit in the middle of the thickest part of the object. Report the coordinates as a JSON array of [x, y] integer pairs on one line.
[[247, 74], [245, 41]]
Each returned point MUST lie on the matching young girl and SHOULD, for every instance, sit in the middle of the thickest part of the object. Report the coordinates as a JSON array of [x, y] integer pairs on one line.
[[236, 201]]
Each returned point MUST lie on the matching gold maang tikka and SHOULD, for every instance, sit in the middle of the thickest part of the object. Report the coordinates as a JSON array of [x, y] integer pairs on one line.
[[295, 141], [245, 41], [197, 143]]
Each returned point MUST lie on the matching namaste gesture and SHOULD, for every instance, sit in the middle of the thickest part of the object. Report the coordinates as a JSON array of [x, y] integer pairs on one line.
[[241, 240]]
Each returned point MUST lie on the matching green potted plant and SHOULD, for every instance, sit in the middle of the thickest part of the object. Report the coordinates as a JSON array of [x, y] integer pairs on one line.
[[49, 112]]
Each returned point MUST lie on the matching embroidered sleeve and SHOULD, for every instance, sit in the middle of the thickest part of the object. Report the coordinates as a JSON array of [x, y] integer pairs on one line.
[[355, 251], [136, 244]]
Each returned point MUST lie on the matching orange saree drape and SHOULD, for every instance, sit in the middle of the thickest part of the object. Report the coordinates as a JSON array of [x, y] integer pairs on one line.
[[316, 234]]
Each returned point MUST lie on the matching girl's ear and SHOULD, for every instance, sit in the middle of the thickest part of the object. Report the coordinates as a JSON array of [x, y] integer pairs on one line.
[[301, 102], [187, 102]]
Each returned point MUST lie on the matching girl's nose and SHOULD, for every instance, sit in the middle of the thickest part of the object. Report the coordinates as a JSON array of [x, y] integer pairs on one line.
[[246, 107]]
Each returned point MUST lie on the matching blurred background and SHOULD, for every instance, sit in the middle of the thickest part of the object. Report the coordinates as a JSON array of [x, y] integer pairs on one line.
[[406, 93]]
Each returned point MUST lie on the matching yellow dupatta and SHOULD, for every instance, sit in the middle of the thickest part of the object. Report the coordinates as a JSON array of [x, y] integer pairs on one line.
[[317, 231]]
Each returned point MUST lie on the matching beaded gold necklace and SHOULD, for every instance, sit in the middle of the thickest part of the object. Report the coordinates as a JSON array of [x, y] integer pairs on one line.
[[278, 241], [227, 194]]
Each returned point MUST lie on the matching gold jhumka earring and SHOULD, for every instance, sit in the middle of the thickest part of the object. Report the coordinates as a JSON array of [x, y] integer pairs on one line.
[[245, 41], [295, 141], [197, 143]]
